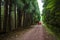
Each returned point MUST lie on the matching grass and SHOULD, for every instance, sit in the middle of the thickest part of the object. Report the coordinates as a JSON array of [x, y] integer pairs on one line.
[[51, 32]]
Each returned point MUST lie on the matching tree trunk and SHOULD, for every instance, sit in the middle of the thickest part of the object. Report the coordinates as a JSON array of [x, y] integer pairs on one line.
[[15, 8], [22, 19], [9, 15], [5, 15], [26, 21], [31, 18], [19, 16], [0, 14]]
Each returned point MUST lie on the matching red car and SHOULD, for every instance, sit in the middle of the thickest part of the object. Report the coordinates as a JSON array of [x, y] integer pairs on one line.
[[39, 23]]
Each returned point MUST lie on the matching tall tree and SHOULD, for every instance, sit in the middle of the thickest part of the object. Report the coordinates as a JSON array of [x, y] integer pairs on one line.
[[15, 11], [9, 14], [20, 5], [5, 15], [0, 14], [25, 8], [14, 2]]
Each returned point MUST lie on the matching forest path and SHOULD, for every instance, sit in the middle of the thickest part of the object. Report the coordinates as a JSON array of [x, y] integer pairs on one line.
[[38, 32]]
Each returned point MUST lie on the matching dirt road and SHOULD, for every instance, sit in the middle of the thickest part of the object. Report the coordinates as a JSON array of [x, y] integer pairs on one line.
[[38, 32], [34, 34]]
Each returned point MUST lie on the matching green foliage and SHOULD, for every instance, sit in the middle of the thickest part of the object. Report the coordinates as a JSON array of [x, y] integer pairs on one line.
[[19, 13], [51, 15], [29, 6]]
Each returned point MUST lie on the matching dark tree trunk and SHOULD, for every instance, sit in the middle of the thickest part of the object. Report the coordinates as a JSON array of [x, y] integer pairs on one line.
[[15, 6], [9, 15], [0, 14], [19, 15], [24, 21], [31, 18], [5, 15]]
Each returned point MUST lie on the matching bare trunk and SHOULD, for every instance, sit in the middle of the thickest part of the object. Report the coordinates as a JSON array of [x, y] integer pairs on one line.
[[5, 15], [22, 19], [31, 18], [19, 16], [9, 15], [25, 19], [0, 14], [15, 8]]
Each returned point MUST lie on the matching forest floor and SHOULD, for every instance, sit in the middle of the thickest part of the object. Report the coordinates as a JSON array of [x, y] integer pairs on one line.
[[37, 32]]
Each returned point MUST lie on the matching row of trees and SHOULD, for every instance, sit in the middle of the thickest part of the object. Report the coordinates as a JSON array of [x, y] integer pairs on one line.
[[18, 14], [51, 15]]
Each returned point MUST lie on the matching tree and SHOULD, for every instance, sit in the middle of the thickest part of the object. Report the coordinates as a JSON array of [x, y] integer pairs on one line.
[[14, 2], [0, 14], [51, 14], [9, 14], [5, 16], [15, 11], [25, 8], [25, 12]]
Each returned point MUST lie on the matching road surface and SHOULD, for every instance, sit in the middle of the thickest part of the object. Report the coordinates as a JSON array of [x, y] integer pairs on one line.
[[38, 32]]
